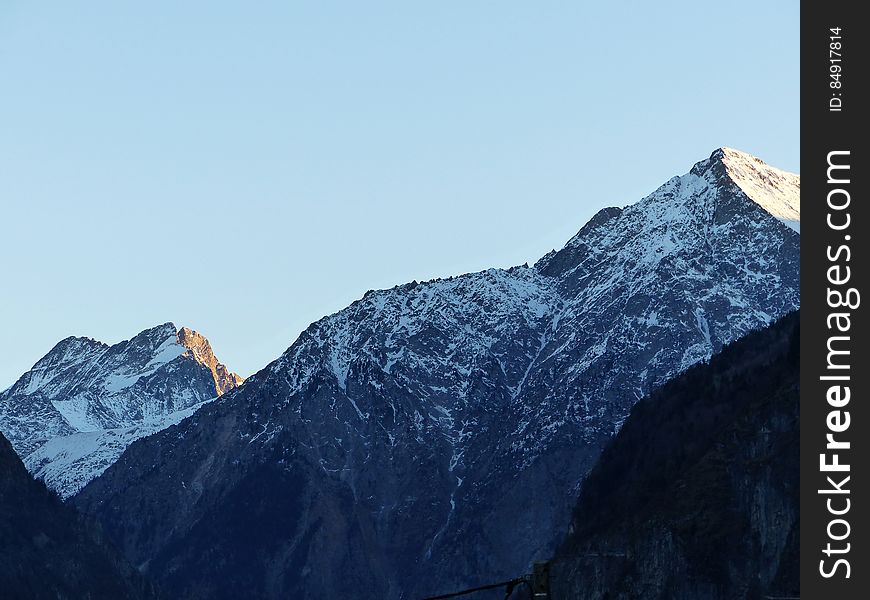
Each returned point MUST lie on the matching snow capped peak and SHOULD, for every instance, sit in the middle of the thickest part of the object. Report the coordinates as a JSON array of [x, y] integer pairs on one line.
[[159, 332], [729, 155], [69, 348], [728, 191], [774, 190], [85, 401]]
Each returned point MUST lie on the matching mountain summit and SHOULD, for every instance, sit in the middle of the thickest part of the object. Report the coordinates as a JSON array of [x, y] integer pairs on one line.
[[776, 191], [200, 349], [433, 436], [80, 405]]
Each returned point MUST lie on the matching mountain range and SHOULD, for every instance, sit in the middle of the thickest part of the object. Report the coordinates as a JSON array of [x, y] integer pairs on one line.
[[435, 435], [426, 438]]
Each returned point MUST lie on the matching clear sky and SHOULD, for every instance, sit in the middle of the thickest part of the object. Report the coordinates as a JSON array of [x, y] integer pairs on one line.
[[244, 168]]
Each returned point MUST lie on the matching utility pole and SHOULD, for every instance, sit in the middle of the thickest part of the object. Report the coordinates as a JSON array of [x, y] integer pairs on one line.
[[541, 580]]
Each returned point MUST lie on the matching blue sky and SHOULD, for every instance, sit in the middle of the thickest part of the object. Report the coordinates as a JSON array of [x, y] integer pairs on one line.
[[246, 168]]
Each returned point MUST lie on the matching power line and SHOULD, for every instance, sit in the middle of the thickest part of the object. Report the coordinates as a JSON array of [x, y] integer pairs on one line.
[[508, 585], [538, 583]]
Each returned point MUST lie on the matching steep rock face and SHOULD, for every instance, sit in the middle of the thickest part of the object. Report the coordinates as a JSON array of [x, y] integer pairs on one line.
[[47, 551], [200, 348], [435, 434], [697, 496], [76, 410]]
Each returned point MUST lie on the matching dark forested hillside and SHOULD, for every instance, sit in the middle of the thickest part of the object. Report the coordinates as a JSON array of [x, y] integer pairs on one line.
[[697, 496], [46, 548]]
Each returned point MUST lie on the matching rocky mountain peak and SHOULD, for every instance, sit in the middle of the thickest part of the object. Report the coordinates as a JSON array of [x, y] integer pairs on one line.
[[689, 219], [80, 405], [774, 190], [154, 336], [200, 349]]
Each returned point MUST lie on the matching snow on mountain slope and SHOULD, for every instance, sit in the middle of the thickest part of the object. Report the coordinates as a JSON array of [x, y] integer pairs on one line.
[[778, 192], [395, 439], [68, 463], [85, 401]]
